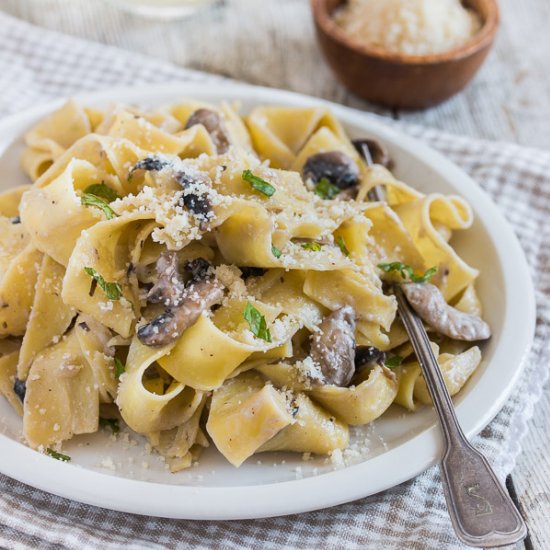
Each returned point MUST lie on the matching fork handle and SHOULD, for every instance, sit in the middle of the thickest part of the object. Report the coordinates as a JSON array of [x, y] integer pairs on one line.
[[481, 511]]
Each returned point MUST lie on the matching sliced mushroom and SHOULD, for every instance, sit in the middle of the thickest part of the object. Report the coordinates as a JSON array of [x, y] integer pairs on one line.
[[368, 355], [337, 167], [150, 164], [428, 302], [169, 288], [183, 303], [20, 389], [333, 347], [214, 125], [170, 325], [378, 152]]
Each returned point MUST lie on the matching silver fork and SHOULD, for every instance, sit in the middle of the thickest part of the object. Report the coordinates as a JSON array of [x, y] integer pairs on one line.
[[481, 510]]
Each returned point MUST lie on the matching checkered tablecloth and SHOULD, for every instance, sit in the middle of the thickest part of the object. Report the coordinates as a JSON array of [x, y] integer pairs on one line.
[[37, 66]]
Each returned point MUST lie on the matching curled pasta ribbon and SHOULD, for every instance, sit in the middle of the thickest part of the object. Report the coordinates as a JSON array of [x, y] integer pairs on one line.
[[355, 405], [421, 217], [456, 369], [144, 134], [371, 334], [324, 139], [314, 431], [147, 411], [50, 138], [106, 247], [397, 192], [245, 413], [362, 403], [54, 215], [237, 132], [247, 234], [65, 385], [181, 444], [391, 239], [286, 289], [19, 265], [334, 289], [17, 291], [49, 318], [112, 158], [211, 349], [277, 140]]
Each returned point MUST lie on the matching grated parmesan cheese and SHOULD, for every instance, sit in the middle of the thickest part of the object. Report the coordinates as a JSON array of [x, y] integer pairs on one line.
[[411, 27]]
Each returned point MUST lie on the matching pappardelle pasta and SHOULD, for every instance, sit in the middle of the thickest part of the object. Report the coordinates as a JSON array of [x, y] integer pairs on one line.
[[216, 279]]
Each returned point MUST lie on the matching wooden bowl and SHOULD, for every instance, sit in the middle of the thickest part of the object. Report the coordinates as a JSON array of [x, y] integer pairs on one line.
[[398, 80]]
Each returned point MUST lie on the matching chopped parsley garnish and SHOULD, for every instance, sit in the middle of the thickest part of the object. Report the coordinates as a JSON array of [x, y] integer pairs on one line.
[[120, 369], [393, 362], [258, 183], [87, 199], [111, 423], [58, 456], [407, 272], [342, 245], [103, 191], [276, 252], [316, 247], [325, 189], [257, 323], [429, 273], [112, 290]]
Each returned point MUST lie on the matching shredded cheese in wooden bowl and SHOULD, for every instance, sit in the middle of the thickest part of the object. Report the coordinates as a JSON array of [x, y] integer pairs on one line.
[[410, 27]]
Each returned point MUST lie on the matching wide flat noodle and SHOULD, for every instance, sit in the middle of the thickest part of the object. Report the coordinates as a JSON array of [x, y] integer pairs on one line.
[[49, 318], [62, 397], [17, 291], [245, 413], [51, 137], [419, 217], [148, 411], [106, 248]]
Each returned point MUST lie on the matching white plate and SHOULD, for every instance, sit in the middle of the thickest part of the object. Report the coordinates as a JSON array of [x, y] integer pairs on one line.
[[400, 445]]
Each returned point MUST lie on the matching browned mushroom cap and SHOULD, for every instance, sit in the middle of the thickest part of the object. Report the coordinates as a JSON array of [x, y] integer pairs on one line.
[[378, 152], [429, 303], [333, 347], [170, 325], [337, 167], [214, 126], [168, 290]]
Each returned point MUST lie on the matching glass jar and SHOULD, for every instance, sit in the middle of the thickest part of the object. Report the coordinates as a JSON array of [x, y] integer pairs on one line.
[[164, 9]]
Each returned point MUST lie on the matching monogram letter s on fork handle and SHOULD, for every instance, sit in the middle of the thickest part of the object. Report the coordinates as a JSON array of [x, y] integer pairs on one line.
[[481, 511]]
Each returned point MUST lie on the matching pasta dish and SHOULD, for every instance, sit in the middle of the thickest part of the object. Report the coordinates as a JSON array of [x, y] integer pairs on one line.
[[208, 278]]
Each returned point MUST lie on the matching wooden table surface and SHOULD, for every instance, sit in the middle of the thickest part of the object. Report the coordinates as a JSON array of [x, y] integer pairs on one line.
[[271, 42]]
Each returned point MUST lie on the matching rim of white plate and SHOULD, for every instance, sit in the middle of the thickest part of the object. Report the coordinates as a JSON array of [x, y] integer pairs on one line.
[[288, 497]]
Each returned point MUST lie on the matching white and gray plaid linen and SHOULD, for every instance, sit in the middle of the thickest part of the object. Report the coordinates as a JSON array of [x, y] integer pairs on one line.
[[37, 66]]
